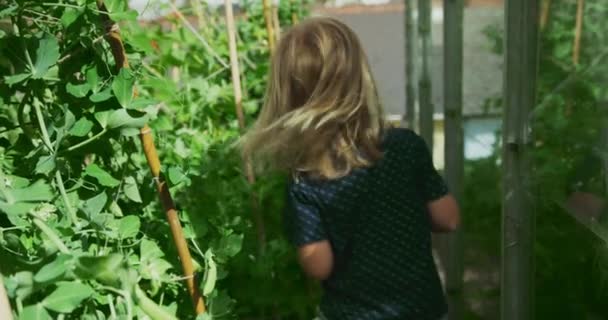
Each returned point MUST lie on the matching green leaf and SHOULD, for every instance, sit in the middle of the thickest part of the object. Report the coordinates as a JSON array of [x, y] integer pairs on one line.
[[92, 78], [131, 189], [10, 80], [102, 268], [102, 176], [81, 128], [149, 250], [37, 191], [21, 284], [126, 118], [8, 11], [34, 312], [67, 297], [70, 15], [129, 15], [53, 270], [101, 96], [128, 227], [45, 164], [231, 244], [176, 175], [78, 90], [102, 118], [210, 273], [46, 56], [16, 209], [152, 266], [122, 87], [94, 205]]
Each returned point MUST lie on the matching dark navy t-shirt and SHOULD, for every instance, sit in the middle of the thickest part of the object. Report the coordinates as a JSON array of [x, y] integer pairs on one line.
[[377, 222]]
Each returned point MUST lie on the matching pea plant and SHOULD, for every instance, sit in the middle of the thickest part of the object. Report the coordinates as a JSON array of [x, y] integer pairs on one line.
[[82, 234]]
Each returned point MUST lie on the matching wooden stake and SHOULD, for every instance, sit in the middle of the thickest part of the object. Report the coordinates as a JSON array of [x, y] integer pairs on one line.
[[238, 103], [294, 12], [544, 14], [269, 24], [118, 51], [578, 32], [276, 23]]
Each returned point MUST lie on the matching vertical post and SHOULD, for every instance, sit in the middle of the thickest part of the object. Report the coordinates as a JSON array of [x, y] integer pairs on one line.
[[269, 24], [576, 50], [410, 91], [426, 103], [114, 39], [453, 11], [238, 103], [294, 6], [518, 220]]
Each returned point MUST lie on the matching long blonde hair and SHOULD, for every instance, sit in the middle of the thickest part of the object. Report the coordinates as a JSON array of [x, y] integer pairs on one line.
[[321, 115]]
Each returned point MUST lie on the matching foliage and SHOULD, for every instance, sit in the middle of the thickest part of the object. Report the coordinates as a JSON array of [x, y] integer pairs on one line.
[[568, 152], [79, 218]]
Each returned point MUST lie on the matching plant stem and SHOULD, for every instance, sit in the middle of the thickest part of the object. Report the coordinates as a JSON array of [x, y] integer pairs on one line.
[[150, 307], [51, 234], [43, 130], [87, 141], [66, 200]]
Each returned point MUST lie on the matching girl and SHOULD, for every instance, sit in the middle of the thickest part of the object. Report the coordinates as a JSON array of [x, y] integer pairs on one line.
[[363, 199]]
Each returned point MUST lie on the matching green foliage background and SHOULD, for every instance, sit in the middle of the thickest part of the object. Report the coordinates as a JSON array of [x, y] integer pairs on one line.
[[82, 234], [568, 154]]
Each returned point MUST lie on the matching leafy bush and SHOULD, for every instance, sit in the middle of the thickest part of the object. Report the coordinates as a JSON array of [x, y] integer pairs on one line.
[[81, 230]]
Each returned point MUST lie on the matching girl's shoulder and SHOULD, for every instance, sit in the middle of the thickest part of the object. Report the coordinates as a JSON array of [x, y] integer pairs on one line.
[[402, 138]]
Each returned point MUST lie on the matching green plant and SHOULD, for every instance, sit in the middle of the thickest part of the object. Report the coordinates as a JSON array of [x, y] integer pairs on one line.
[[78, 212]]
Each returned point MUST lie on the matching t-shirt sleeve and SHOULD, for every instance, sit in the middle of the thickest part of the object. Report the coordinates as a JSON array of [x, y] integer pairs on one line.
[[431, 183], [302, 216]]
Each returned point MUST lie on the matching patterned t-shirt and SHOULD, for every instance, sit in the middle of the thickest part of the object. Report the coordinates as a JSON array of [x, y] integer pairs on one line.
[[377, 222]]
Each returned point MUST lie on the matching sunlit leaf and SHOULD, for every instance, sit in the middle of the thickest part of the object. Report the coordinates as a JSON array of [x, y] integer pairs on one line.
[[105, 269], [45, 164], [70, 15], [94, 205], [131, 189], [102, 176], [128, 227], [81, 128], [67, 297], [53, 270], [78, 90], [34, 312], [101, 95], [122, 87], [47, 55]]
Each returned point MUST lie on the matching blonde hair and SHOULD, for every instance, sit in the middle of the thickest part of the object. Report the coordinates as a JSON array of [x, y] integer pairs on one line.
[[321, 115]]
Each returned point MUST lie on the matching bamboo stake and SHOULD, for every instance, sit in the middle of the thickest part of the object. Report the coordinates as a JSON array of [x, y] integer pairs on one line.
[[276, 23], [269, 27], [118, 51], [544, 14], [238, 103], [579, 30], [294, 12]]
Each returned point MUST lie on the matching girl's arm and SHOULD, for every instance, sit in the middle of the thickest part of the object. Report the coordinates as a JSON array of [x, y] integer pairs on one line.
[[316, 259], [445, 214]]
